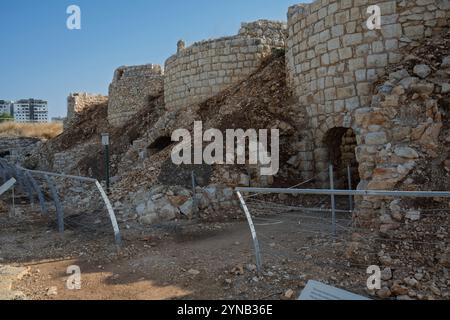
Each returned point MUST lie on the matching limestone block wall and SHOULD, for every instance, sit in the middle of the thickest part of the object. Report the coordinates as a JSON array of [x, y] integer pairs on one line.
[[333, 59], [131, 90], [198, 72], [77, 102]]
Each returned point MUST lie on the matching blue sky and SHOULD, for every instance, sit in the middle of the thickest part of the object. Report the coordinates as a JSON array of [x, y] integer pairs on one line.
[[41, 58]]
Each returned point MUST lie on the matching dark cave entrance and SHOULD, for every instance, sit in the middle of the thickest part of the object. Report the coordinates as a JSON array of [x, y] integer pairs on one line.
[[341, 143], [160, 144]]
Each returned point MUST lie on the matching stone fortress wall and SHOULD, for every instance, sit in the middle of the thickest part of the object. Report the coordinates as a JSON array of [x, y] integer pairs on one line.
[[333, 60], [131, 90], [202, 70], [77, 102]]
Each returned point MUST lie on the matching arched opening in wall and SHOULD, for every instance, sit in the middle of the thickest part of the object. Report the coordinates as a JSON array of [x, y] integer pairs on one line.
[[160, 144], [341, 144]]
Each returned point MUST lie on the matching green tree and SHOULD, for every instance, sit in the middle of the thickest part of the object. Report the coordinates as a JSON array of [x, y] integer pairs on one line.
[[6, 117]]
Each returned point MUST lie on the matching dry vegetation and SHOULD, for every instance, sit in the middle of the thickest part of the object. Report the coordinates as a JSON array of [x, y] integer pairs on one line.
[[30, 130]]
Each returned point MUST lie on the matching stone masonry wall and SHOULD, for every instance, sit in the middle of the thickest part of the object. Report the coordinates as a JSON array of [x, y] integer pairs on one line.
[[333, 60], [77, 102], [198, 72], [131, 90]]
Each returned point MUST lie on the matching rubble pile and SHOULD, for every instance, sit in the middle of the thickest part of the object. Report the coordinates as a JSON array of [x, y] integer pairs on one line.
[[413, 246], [261, 101], [79, 147], [416, 94], [166, 203]]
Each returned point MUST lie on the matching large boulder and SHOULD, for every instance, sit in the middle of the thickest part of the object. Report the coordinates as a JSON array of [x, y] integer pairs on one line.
[[158, 208]]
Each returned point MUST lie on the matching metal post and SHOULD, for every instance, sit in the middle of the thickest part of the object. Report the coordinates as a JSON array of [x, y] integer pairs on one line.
[[112, 216], [105, 142], [26, 183], [253, 231], [350, 187], [59, 209], [38, 191], [13, 203], [333, 200], [194, 201]]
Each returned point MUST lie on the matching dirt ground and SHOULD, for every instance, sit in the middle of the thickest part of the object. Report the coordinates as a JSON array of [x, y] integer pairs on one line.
[[178, 260]]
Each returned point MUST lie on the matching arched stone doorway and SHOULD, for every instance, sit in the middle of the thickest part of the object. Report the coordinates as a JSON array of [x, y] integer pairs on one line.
[[341, 143]]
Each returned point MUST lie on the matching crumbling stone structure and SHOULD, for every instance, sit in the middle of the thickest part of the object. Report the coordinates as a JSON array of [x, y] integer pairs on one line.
[[131, 90], [333, 62], [202, 70], [78, 102], [274, 32]]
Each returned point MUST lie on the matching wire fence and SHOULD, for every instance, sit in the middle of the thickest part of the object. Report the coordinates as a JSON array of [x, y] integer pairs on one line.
[[70, 203], [315, 231]]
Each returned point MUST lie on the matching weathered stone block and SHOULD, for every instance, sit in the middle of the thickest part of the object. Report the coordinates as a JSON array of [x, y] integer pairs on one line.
[[376, 138], [377, 60]]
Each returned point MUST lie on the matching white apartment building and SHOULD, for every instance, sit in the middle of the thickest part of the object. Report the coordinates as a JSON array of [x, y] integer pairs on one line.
[[30, 110]]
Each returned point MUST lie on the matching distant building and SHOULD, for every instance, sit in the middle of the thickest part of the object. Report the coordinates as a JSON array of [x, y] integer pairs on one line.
[[6, 107], [30, 110]]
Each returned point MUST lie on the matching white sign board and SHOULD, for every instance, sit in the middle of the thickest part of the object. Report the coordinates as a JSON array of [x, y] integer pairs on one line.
[[8, 185], [318, 291], [105, 139]]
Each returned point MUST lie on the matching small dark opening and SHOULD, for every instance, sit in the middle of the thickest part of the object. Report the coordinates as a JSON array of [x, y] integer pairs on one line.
[[160, 144], [444, 107], [4, 154]]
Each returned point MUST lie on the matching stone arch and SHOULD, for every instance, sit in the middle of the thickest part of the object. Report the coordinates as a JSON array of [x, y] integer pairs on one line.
[[341, 146], [335, 141]]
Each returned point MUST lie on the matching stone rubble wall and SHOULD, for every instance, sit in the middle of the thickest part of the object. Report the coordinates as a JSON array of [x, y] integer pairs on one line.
[[62, 161], [333, 59], [204, 69], [274, 32], [397, 134], [131, 90], [163, 203], [78, 102], [15, 150], [67, 162]]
